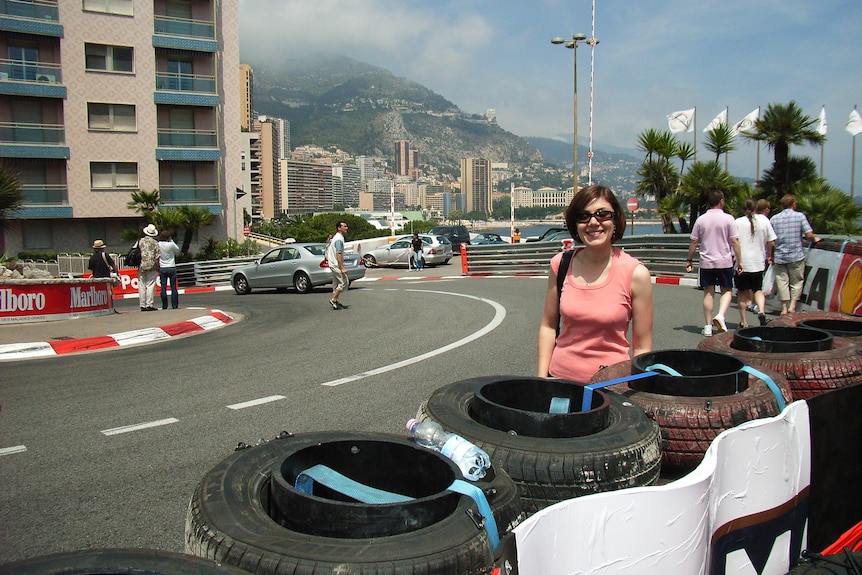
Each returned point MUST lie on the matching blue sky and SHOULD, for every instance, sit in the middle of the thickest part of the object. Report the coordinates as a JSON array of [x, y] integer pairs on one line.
[[653, 58]]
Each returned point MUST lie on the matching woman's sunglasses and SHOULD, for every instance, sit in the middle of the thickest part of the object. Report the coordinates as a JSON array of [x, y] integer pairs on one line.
[[601, 215]]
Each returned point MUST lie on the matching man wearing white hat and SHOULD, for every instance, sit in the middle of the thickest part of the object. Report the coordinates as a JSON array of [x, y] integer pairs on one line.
[[149, 268]]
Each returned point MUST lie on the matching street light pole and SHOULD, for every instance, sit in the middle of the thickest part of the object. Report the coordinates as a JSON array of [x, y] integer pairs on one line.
[[573, 44]]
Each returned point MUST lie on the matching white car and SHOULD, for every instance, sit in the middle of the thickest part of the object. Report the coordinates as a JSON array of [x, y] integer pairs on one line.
[[436, 250]]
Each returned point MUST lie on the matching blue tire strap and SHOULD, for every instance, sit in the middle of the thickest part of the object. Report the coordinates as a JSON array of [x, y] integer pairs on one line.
[[769, 383], [588, 389], [559, 405], [366, 494]]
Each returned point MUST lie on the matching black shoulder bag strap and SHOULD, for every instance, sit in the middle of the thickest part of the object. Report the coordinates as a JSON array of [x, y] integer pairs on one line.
[[565, 262]]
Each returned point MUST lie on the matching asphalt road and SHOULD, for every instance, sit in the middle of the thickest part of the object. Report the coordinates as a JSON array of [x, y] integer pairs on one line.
[[89, 478]]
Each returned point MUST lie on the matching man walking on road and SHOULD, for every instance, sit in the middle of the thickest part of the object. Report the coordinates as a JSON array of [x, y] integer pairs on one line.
[[335, 258], [788, 257], [718, 236]]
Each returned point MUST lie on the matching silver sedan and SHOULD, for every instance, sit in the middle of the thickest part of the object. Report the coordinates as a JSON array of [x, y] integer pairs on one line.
[[436, 249], [300, 266]]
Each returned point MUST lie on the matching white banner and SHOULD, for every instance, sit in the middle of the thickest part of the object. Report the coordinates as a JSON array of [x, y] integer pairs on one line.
[[742, 511]]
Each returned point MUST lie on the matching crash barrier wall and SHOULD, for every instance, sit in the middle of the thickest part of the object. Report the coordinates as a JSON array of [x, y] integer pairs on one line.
[[662, 254], [716, 519]]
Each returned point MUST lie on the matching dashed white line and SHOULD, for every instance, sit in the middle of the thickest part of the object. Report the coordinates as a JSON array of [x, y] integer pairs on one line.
[[255, 402], [139, 426], [11, 450], [499, 316]]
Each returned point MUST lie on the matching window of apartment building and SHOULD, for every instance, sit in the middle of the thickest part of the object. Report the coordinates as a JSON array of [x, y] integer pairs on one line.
[[109, 58], [23, 61], [121, 7], [111, 117], [112, 175], [37, 235]]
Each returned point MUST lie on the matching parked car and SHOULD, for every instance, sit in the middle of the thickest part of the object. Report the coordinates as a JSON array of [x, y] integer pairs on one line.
[[552, 234], [300, 266], [487, 238], [457, 235], [436, 250]]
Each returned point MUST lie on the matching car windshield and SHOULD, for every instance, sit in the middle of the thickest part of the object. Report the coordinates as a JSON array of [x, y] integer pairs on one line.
[[316, 249], [443, 240]]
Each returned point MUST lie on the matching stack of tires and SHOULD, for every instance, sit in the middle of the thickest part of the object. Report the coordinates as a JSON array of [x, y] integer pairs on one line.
[[551, 454], [250, 512], [118, 562], [709, 393], [813, 360], [837, 323]]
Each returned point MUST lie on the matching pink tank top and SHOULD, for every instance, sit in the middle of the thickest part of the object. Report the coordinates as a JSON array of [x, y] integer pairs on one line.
[[595, 320]]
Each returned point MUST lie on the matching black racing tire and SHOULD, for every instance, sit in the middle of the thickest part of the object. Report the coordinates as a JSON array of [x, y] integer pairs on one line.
[[302, 283], [241, 285], [808, 374], [118, 562], [822, 320], [370, 261], [690, 424], [838, 564], [546, 470], [233, 519]]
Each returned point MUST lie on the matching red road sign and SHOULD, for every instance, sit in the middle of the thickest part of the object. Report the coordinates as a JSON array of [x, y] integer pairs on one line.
[[632, 204], [246, 230]]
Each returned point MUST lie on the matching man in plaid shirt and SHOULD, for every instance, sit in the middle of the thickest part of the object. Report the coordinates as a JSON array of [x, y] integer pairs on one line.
[[788, 257]]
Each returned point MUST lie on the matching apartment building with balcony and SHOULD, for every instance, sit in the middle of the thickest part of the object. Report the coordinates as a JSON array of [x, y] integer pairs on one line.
[[101, 98]]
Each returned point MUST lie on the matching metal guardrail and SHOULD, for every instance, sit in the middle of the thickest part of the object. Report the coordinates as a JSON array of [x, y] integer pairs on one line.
[[664, 254]]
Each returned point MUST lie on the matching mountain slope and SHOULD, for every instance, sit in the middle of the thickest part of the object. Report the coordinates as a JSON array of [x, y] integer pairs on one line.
[[362, 109]]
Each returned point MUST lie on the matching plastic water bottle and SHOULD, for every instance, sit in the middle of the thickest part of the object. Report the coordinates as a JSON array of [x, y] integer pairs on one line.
[[472, 461]]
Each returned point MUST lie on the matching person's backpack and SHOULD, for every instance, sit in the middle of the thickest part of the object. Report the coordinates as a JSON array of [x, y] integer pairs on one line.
[[133, 258]]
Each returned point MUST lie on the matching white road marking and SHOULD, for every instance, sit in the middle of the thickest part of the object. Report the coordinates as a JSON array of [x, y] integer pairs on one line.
[[139, 426], [255, 402], [11, 450], [499, 316]]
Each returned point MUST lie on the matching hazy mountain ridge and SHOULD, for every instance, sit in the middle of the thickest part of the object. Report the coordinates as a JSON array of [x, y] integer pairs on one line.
[[362, 109]]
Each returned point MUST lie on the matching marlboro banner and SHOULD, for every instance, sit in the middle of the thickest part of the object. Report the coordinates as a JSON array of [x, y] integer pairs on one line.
[[29, 301]]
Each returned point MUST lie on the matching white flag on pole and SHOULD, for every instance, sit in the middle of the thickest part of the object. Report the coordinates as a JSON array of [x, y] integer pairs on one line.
[[822, 126], [746, 125], [717, 121], [854, 123], [682, 121]]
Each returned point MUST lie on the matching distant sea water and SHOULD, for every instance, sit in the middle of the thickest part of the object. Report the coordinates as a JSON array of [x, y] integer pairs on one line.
[[640, 229]]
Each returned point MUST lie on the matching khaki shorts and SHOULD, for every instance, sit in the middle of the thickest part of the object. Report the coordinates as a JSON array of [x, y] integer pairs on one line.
[[339, 279]]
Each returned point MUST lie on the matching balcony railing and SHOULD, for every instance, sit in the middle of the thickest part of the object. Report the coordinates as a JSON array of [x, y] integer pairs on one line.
[[169, 26], [18, 70], [185, 82], [187, 138], [45, 194], [21, 133], [189, 194], [31, 10]]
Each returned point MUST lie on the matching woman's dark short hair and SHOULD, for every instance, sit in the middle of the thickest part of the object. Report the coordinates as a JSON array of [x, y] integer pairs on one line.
[[583, 198]]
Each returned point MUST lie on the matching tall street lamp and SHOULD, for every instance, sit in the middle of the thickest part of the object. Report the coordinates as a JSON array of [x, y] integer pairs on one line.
[[573, 44]]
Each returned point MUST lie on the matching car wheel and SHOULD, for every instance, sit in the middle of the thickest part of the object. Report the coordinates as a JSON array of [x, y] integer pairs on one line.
[[241, 285], [246, 511], [446, 261], [370, 262], [302, 283]]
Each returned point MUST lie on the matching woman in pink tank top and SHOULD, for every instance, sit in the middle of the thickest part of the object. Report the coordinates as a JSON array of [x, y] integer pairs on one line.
[[604, 291]]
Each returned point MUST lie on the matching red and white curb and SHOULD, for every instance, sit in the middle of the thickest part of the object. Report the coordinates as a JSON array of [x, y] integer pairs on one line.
[[213, 320]]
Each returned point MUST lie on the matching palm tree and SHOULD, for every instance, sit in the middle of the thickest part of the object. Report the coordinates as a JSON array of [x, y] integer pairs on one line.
[[782, 126], [698, 181], [800, 169], [144, 203], [193, 218], [11, 196], [719, 141], [658, 175], [829, 210]]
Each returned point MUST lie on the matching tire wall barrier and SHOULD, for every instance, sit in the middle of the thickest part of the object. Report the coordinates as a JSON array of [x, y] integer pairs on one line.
[[808, 374], [241, 516], [624, 452], [690, 423], [118, 562]]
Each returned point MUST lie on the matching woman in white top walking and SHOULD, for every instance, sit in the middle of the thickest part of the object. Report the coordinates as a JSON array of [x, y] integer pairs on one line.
[[756, 241]]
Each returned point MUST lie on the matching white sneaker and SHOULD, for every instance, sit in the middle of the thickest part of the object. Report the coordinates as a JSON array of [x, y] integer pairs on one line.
[[707, 331], [719, 324]]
